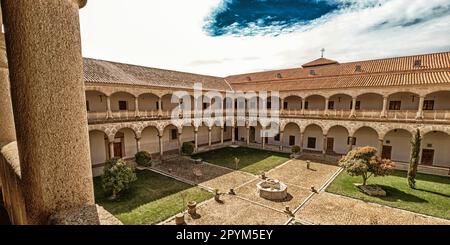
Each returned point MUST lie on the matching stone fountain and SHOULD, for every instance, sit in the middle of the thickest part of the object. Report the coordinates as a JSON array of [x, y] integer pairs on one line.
[[272, 189]]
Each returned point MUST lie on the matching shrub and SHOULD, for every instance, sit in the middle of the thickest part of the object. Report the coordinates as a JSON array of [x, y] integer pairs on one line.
[[364, 162], [143, 158], [187, 148], [117, 177], [295, 149]]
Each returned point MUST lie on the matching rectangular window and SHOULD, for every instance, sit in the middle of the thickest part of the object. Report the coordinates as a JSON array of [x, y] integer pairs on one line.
[[428, 105], [123, 105], [157, 105], [277, 137], [306, 105], [285, 105], [87, 106], [311, 143], [358, 105], [269, 104], [348, 141], [205, 106], [331, 105], [173, 134], [395, 105]]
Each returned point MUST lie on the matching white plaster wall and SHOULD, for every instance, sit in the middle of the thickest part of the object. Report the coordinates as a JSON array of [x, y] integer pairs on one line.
[[242, 133], [341, 101], [366, 137], [169, 143], [313, 131], [406, 99], [371, 102], [294, 103], [340, 135], [150, 140], [215, 134], [97, 101], [187, 134], [316, 102], [98, 147], [128, 143], [167, 104], [115, 98], [147, 102], [227, 134], [203, 135], [440, 144], [441, 100], [291, 129], [400, 142]]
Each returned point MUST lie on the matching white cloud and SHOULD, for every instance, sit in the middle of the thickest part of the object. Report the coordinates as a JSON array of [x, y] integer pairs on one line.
[[168, 34]]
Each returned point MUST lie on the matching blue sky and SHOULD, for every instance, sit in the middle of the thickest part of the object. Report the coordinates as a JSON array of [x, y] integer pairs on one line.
[[224, 37]]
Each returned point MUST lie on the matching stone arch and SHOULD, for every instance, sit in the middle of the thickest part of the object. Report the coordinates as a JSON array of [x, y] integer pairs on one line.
[[398, 141]]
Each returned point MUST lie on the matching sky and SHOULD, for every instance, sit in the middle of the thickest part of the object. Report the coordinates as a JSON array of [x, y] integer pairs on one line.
[[227, 37]]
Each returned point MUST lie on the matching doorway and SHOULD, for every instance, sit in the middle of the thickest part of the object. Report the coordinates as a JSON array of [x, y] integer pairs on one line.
[[291, 140], [118, 149], [252, 134], [387, 152], [427, 157], [330, 145]]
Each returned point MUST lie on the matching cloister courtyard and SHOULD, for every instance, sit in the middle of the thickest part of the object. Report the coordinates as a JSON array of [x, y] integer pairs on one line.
[[320, 194]]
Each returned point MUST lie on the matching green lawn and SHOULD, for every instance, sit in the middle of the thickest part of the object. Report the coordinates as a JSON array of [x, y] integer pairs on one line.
[[432, 196], [251, 160], [151, 199]]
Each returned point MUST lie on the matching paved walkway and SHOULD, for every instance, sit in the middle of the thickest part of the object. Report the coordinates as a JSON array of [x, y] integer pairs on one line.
[[246, 207]]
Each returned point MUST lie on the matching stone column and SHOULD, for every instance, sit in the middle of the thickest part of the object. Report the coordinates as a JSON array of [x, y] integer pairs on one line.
[[221, 135], [282, 105], [44, 57], [160, 107], [108, 107], [324, 144], [248, 135], [353, 111], [384, 110], [161, 146], [302, 136], [179, 143], [136, 105], [111, 149], [263, 138], [281, 140], [303, 100], [380, 147], [209, 136], [233, 140], [138, 144], [421, 105], [7, 130], [327, 100], [196, 139]]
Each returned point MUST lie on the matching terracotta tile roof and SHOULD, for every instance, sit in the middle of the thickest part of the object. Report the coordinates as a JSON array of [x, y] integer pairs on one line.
[[319, 62], [99, 71], [411, 70]]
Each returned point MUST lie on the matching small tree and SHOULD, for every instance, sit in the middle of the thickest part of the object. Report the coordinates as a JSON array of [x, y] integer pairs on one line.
[[143, 158], [295, 149], [187, 148], [117, 177], [236, 163], [414, 161], [364, 162]]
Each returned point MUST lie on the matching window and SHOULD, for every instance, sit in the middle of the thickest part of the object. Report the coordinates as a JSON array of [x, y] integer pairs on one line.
[[279, 75], [266, 140], [428, 105], [358, 68], [312, 72], [311, 143], [205, 106], [306, 105], [173, 134], [269, 104], [357, 106], [417, 63], [87, 106], [277, 137], [331, 105], [350, 138], [157, 105], [395, 105], [123, 105], [285, 105]]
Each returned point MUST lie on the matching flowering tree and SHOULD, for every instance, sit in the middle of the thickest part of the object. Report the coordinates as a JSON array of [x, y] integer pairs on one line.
[[364, 162]]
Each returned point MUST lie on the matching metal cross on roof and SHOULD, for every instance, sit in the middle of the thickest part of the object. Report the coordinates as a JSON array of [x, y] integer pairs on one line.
[[323, 51]]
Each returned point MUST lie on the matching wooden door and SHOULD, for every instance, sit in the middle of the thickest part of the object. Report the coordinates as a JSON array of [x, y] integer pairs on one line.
[[252, 134], [118, 149], [330, 144], [291, 140], [427, 157], [387, 152]]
